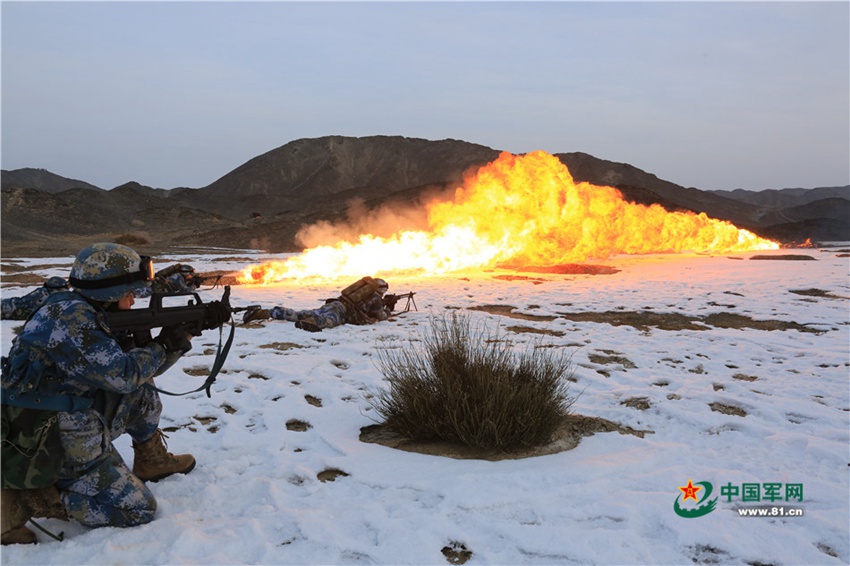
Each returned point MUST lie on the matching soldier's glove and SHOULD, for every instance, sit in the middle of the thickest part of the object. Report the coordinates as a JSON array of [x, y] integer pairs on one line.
[[197, 281], [174, 339], [217, 314]]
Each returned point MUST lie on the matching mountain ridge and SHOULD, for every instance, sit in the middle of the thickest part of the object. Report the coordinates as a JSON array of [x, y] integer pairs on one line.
[[265, 202]]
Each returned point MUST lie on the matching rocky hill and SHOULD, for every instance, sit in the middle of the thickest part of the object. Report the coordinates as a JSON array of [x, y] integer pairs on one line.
[[308, 175], [263, 203], [41, 179], [785, 198]]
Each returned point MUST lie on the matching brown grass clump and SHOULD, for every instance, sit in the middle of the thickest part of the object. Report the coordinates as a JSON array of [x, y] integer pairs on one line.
[[132, 239], [467, 386]]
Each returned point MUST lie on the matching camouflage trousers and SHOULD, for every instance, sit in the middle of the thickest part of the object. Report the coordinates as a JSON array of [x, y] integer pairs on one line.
[[96, 487], [327, 316]]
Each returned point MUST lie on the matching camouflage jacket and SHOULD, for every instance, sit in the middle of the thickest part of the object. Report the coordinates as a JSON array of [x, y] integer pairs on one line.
[[20, 308], [376, 309], [67, 349]]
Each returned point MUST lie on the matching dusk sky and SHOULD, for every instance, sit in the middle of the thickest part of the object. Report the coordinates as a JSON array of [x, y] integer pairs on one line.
[[713, 95]]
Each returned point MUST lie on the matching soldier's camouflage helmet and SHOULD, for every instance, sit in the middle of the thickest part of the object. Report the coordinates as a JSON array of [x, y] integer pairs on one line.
[[106, 272], [383, 287]]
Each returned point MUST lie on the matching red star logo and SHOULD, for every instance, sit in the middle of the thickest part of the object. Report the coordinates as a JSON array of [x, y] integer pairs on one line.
[[690, 491]]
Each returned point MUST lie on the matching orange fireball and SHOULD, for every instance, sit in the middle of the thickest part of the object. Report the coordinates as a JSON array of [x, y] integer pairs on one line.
[[519, 210]]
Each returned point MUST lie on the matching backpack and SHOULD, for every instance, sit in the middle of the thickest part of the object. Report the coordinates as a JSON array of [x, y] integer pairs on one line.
[[32, 452], [355, 296], [167, 271], [31, 449]]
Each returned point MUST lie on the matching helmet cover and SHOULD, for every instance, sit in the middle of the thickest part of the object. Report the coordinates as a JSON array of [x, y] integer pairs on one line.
[[107, 271]]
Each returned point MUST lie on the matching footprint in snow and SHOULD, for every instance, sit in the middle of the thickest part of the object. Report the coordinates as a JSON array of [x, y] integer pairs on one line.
[[297, 425], [331, 474]]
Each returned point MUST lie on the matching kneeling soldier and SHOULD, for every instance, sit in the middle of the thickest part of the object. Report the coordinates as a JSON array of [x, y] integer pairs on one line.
[[69, 389]]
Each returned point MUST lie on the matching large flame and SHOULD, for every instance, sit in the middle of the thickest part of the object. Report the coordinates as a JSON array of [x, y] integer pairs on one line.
[[518, 210]]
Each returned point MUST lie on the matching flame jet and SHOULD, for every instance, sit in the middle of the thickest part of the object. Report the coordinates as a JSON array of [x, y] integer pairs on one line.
[[518, 210]]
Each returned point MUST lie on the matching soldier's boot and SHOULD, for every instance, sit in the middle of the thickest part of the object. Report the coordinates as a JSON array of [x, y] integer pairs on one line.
[[255, 314], [13, 518], [309, 324], [154, 462], [44, 502]]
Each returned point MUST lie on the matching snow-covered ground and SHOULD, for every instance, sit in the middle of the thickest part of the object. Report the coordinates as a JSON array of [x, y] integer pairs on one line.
[[726, 406]]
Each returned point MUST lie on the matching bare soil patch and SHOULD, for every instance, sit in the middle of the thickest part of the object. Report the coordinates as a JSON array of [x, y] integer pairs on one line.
[[298, 425], [282, 346], [730, 320], [639, 403], [816, 293], [456, 553], [744, 377], [331, 474], [786, 257], [532, 330], [728, 409], [644, 320], [23, 279], [566, 269], [567, 437], [533, 280], [609, 357], [508, 310]]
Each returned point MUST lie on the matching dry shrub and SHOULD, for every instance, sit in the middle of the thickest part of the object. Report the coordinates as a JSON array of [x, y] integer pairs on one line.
[[467, 386], [134, 239]]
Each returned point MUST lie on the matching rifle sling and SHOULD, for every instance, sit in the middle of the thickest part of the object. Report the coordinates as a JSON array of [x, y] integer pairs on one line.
[[220, 357]]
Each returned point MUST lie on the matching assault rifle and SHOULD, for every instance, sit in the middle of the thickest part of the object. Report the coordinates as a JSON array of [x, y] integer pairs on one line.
[[390, 301], [194, 318]]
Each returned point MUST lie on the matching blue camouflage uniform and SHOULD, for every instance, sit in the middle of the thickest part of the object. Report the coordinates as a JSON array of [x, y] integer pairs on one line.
[[21, 308], [68, 364], [334, 313], [327, 316], [69, 337]]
